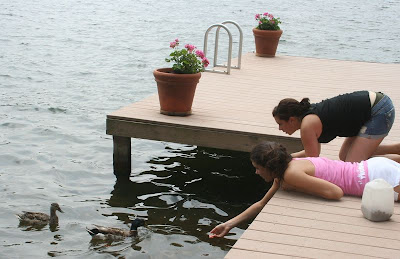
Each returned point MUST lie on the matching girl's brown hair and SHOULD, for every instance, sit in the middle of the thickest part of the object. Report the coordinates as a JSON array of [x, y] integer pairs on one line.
[[291, 108], [272, 156]]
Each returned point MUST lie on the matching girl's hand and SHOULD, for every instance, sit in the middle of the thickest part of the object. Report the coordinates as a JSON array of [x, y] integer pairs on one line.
[[219, 231]]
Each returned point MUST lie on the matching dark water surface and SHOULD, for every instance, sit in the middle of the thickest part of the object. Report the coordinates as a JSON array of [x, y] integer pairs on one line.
[[64, 65]]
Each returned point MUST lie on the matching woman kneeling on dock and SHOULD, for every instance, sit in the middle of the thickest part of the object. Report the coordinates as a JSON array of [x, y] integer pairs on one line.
[[364, 117], [318, 176]]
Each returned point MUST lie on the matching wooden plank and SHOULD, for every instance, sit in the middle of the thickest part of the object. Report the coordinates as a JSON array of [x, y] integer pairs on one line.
[[222, 139], [334, 227], [310, 241], [350, 238], [228, 121], [301, 200], [240, 254], [298, 250], [304, 213]]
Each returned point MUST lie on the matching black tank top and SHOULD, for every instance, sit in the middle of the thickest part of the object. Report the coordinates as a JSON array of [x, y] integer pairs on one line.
[[343, 115]]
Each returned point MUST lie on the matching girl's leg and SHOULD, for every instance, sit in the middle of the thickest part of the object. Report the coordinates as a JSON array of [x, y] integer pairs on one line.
[[361, 149], [387, 149], [372, 133], [397, 189], [345, 148], [393, 157]]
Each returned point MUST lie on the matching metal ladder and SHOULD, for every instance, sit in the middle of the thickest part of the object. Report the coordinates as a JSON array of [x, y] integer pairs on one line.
[[228, 66]]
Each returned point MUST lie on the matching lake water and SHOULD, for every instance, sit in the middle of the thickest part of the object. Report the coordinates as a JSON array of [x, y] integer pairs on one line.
[[64, 65]]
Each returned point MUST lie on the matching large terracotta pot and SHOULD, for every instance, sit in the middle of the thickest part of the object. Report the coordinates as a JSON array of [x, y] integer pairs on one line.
[[266, 42], [175, 91]]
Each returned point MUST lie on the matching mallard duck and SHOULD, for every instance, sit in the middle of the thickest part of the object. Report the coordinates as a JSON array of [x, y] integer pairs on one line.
[[39, 218], [108, 231]]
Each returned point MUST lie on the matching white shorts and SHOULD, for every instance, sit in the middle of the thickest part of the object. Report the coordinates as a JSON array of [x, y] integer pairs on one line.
[[385, 168]]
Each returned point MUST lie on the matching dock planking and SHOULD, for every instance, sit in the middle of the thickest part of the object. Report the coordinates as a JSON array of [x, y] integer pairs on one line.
[[299, 225]]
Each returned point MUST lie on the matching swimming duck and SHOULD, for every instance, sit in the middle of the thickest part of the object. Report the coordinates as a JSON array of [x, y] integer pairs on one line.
[[108, 231], [39, 218]]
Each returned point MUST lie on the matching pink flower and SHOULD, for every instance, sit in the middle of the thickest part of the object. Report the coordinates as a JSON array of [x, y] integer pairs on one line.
[[190, 48], [257, 16], [265, 14], [200, 53], [176, 40], [173, 44], [259, 22], [205, 62]]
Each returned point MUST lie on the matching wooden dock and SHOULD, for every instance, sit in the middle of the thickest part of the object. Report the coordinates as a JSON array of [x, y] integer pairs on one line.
[[234, 112], [302, 226]]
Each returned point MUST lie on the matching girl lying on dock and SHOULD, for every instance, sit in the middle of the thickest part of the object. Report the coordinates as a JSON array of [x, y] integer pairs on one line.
[[364, 118], [319, 176]]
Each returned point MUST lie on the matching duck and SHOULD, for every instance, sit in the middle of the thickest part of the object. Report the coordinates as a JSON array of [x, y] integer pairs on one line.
[[39, 218], [100, 231]]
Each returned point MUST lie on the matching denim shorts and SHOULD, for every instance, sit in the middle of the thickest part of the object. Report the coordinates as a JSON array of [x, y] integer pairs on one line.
[[381, 121]]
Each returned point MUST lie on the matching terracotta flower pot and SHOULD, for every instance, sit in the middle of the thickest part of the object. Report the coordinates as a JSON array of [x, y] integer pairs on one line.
[[266, 42], [175, 91]]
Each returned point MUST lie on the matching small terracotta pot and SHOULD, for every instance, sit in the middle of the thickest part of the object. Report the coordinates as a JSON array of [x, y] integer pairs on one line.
[[175, 91], [266, 42]]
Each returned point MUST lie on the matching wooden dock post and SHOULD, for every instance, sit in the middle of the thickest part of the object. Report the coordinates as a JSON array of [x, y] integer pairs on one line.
[[122, 157]]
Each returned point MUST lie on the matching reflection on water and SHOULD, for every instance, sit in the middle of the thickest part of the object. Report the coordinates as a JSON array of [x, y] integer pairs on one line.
[[195, 191], [116, 243], [35, 227]]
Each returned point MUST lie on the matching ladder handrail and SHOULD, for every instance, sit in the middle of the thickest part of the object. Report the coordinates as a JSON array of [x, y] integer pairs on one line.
[[219, 25], [240, 44]]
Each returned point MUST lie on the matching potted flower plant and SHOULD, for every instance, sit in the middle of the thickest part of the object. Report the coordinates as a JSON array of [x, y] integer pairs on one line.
[[267, 34], [177, 85]]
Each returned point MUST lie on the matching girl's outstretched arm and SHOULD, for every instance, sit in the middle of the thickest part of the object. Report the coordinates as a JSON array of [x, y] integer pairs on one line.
[[251, 212]]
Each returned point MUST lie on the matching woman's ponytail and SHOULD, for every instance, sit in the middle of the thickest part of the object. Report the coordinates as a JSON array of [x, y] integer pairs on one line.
[[291, 108]]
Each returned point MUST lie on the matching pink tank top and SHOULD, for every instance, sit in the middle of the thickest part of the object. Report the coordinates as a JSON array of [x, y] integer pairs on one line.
[[349, 176]]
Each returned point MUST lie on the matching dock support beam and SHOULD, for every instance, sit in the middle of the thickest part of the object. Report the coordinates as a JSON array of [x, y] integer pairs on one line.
[[122, 157]]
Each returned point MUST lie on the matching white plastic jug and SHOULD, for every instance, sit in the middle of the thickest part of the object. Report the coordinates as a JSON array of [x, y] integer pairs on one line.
[[378, 200]]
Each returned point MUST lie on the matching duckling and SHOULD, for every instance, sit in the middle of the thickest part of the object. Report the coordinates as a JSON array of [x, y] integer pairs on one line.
[[108, 231], [39, 218]]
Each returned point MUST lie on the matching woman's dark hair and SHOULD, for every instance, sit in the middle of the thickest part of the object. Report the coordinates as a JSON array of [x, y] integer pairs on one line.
[[291, 108], [272, 156]]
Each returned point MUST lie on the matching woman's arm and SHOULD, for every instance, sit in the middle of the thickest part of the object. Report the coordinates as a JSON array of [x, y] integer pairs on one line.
[[287, 187], [310, 130], [299, 154], [313, 185], [251, 212]]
